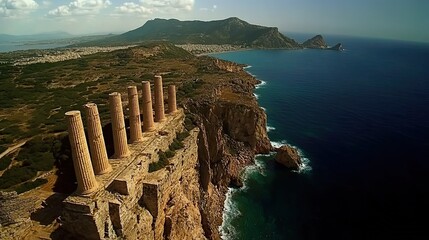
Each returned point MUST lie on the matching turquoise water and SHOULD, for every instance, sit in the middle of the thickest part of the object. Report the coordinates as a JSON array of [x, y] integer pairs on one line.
[[361, 118]]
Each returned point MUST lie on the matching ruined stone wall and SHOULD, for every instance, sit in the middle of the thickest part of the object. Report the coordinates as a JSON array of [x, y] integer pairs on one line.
[[135, 204]]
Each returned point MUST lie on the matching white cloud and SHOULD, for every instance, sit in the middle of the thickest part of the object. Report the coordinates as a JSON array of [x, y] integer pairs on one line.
[[12, 8], [79, 7], [212, 9], [130, 7], [151, 6]]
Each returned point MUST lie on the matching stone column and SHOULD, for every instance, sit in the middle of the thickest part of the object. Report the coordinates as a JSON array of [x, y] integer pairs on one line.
[[147, 107], [118, 126], [100, 160], [134, 115], [172, 106], [159, 100], [85, 177]]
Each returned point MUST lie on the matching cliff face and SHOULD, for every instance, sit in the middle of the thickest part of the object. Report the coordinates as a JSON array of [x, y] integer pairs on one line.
[[231, 133], [183, 200]]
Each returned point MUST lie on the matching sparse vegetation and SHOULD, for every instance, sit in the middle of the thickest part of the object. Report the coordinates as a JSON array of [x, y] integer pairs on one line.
[[5, 162], [35, 156], [34, 99], [164, 156], [30, 185]]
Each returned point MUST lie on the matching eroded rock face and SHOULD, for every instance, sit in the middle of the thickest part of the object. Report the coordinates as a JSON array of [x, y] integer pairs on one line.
[[288, 156], [231, 133]]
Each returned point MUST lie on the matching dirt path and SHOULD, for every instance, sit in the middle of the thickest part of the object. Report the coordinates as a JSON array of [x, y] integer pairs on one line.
[[13, 148]]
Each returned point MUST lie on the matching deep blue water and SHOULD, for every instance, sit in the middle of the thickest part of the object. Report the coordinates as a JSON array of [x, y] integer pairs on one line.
[[361, 117]]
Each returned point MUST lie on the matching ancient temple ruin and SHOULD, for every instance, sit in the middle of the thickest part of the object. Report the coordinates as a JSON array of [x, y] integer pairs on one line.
[[119, 197]]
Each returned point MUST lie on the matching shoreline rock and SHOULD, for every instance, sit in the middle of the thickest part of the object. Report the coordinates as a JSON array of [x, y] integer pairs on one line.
[[288, 156]]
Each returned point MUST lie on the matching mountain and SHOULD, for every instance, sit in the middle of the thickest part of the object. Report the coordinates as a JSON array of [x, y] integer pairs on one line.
[[315, 42], [232, 31]]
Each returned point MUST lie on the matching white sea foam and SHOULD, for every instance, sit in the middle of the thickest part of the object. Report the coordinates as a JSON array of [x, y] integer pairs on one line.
[[261, 84], [230, 211], [278, 144], [269, 128], [264, 109], [246, 67], [304, 167], [256, 95], [257, 168]]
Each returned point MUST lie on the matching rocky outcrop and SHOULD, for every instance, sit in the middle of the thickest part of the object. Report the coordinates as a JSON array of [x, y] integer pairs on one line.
[[288, 156], [316, 42], [232, 130], [228, 66], [338, 47]]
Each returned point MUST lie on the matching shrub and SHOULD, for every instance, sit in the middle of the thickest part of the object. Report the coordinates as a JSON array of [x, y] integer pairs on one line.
[[175, 145], [161, 163], [189, 122], [5, 162], [169, 154], [182, 136], [16, 175], [30, 185]]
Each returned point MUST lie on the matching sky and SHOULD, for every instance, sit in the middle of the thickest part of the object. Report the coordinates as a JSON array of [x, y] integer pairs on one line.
[[392, 19]]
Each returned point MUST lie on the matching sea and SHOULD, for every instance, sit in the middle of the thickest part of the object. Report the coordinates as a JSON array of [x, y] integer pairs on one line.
[[360, 119], [17, 46]]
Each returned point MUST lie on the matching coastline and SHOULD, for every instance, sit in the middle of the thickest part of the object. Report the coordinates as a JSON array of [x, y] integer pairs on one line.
[[259, 168], [208, 49]]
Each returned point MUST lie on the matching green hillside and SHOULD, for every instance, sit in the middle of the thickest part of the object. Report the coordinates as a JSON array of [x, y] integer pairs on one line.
[[229, 31]]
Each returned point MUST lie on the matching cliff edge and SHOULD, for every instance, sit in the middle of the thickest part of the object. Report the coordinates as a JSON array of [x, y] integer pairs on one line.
[[182, 200]]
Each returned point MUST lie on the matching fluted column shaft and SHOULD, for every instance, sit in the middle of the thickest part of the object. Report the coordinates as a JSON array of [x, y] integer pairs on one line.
[[86, 182], [159, 100], [118, 126], [97, 146], [172, 106], [148, 124], [134, 115]]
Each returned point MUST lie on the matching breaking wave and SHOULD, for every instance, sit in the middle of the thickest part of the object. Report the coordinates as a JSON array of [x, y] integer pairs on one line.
[[256, 95], [261, 84], [305, 162], [230, 211], [269, 128]]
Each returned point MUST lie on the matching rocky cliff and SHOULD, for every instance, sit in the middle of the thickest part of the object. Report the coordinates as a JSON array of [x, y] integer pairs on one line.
[[183, 200], [232, 130]]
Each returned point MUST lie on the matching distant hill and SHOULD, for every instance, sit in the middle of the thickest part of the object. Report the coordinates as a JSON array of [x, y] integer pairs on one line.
[[228, 31], [233, 31], [315, 42]]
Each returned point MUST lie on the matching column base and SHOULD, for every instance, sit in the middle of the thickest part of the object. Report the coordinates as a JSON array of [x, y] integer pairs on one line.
[[107, 170], [115, 156], [88, 191]]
